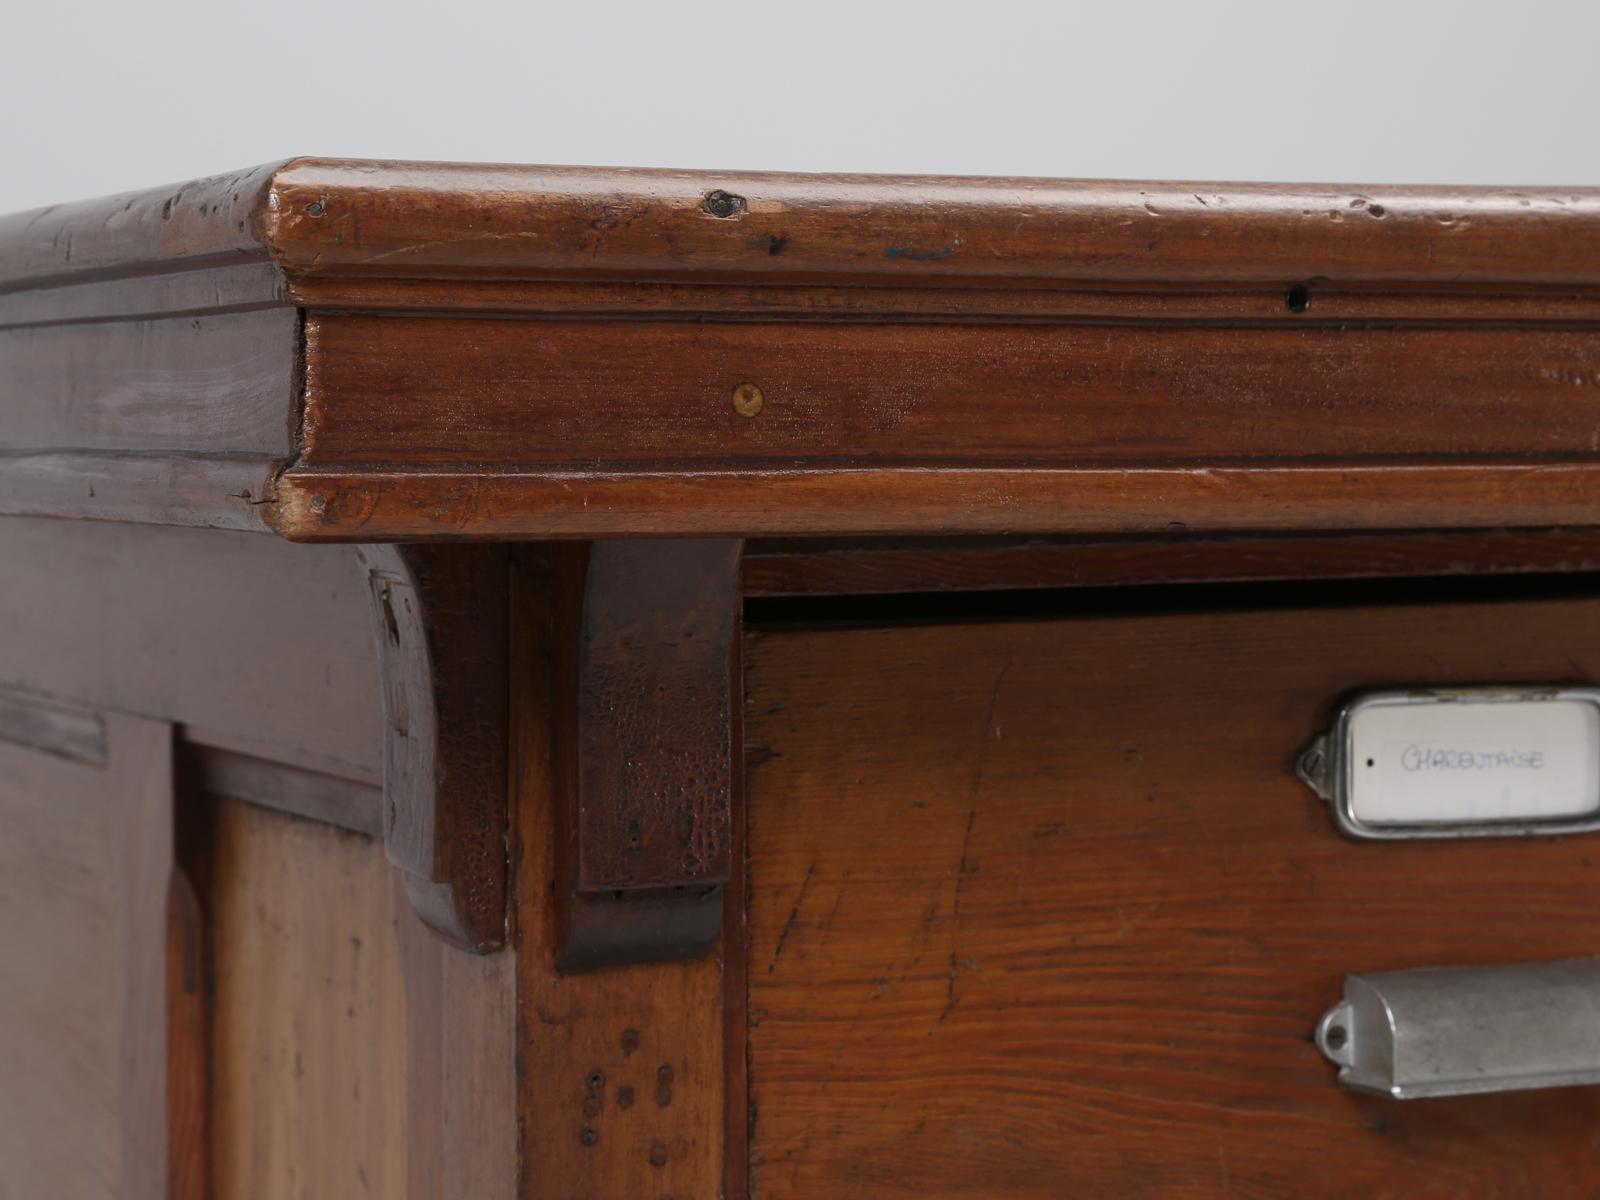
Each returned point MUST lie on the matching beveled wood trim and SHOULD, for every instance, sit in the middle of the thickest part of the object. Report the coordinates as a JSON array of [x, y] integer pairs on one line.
[[348, 803], [324, 217], [396, 504], [66, 731], [242, 287], [1258, 304], [214, 491], [177, 227], [327, 216]]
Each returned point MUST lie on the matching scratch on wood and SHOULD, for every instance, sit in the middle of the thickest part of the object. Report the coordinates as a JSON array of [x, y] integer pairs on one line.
[[951, 999], [794, 915]]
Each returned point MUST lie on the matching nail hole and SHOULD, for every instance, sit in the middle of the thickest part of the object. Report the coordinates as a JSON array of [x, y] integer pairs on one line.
[[719, 203], [1299, 298]]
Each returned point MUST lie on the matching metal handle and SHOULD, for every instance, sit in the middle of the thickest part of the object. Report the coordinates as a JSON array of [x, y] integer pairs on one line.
[[1450, 1031]]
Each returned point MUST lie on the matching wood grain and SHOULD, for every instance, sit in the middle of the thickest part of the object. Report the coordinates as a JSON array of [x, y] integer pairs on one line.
[[621, 1083], [905, 331], [309, 1033], [85, 857], [657, 683], [355, 1053], [1039, 909], [327, 216], [319, 217], [504, 393], [228, 288], [187, 225], [213, 491], [252, 645], [214, 384], [1263, 303], [395, 503], [348, 803]]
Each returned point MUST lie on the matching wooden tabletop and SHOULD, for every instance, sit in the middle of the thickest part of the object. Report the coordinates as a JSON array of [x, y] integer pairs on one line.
[[342, 350]]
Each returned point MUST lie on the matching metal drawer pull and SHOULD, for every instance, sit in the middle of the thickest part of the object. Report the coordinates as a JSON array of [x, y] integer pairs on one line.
[[1451, 1031]]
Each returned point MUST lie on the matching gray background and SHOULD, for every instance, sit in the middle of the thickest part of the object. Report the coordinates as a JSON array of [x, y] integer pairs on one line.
[[108, 95]]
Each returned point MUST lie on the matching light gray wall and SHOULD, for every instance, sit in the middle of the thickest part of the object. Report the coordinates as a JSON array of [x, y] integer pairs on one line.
[[105, 95]]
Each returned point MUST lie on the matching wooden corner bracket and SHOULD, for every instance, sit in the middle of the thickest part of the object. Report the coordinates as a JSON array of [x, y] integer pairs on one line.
[[646, 736], [442, 615]]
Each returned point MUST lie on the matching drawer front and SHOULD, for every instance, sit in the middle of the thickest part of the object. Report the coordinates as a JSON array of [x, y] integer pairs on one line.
[[1039, 908]]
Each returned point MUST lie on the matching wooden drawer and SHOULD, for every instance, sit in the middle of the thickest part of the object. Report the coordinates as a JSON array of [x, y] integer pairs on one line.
[[1039, 907]]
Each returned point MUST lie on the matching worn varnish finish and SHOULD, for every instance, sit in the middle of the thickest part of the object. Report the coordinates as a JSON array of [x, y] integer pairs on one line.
[[498, 393], [324, 505], [1040, 909], [431, 219], [1022, 329]]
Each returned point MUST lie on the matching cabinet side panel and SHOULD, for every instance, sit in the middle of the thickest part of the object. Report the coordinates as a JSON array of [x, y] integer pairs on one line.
[[354, 1053], [309, 1039], [85, 854]]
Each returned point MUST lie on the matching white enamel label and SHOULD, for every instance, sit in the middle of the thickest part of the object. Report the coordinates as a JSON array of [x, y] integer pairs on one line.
[[1446, 762]]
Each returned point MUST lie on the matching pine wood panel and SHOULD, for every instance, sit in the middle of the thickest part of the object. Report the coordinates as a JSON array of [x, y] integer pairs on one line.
[[85, 857], [1039, 909], [309, 1062], [353, 1054]]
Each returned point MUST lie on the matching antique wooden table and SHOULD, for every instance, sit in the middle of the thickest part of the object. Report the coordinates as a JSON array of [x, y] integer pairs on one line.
[[561, 683]]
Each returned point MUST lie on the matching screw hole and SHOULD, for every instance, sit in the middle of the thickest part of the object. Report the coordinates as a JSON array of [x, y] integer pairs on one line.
[[1336, 1037], [1298, 298]]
